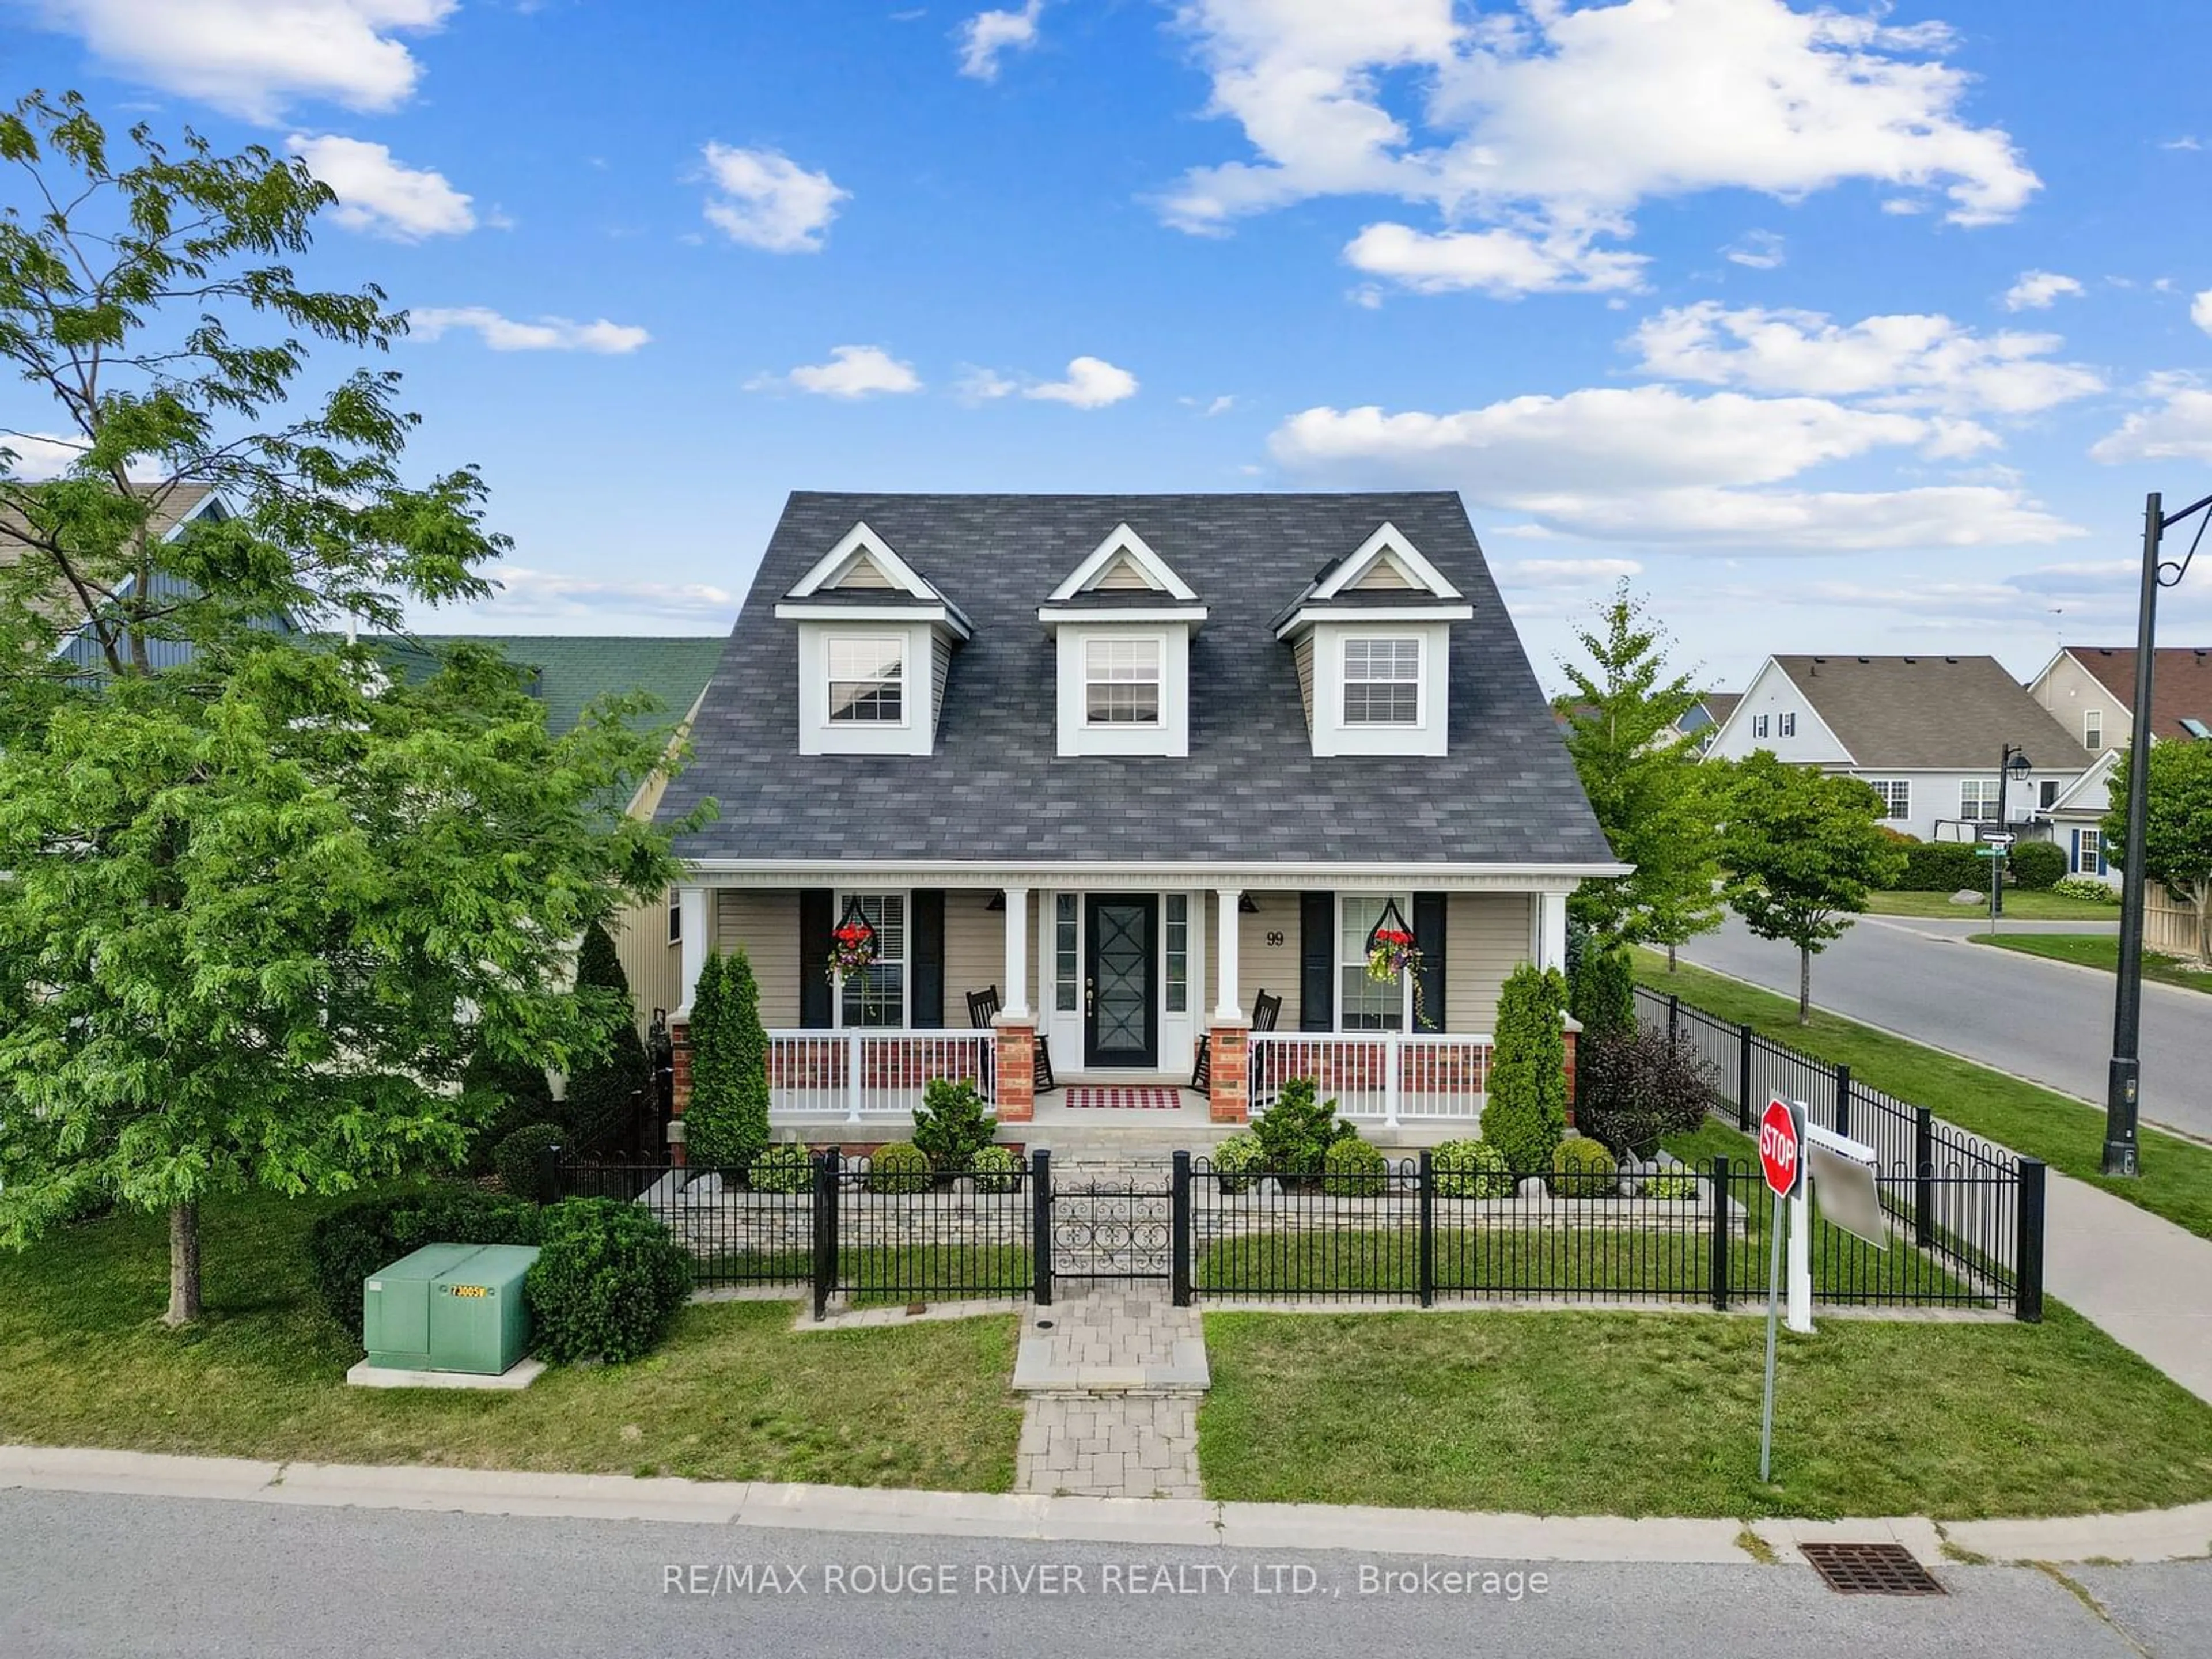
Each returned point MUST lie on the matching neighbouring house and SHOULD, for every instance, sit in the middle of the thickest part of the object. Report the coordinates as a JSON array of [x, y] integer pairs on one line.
[[2091, 691], [1119, 787], [1703, 719], [1928, 733]]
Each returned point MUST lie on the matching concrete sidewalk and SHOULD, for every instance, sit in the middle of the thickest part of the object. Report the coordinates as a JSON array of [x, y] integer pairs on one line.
[[2144, 1282], [2149, 1535]]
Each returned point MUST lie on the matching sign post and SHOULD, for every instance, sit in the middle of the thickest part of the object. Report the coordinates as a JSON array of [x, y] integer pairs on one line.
[[1781, 1143]]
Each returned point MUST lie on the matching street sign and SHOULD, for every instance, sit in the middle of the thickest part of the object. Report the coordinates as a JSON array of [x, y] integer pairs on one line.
[[1843, 1187], [2005, 839], [1988, 852], [1779, 1145]]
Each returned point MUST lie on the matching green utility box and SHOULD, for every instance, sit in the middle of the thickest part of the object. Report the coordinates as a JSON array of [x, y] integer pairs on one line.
[[449, 1308]]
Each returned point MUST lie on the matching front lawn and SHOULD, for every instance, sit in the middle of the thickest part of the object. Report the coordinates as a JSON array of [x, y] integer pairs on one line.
[[1657, 1413], [2100, 951], [734, 1394], [2065, 1134], [2027, 904]]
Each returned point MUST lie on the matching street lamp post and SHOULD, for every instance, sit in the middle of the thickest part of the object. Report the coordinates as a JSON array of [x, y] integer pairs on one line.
[[2013, 763], [2122, 1083]]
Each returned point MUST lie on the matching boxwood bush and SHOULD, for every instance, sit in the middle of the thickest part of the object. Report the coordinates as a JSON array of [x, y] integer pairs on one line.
[[1582, 1168], [784, 1167], [901, 1167], [519, 1161], [368, 1234], [1236, 1158], [1471, 1168], [607, 1281], [995, 1169], [1354, 1168]]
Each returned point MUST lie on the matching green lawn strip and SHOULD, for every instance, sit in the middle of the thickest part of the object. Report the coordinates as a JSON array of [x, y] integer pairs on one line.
[[734, 1393], [2065, 1134], [870, 1277], [1575, 1412], [2099, 950], [2027, 904]]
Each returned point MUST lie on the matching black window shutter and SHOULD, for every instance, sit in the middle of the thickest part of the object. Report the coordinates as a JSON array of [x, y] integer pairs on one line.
[[926, 996], [1428, 940], [815, 921], [1316, 962]]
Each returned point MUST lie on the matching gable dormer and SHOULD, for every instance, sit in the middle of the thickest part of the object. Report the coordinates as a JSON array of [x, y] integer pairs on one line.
[[1123, 622], [876, 639], [1371, 640]]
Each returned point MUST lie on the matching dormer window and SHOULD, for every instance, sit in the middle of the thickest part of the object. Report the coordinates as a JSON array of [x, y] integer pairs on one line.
[[1122, 622], [1121, 682], [867, 680], [1382, 682]]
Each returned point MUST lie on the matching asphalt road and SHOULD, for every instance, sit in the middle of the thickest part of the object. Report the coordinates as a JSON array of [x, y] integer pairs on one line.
[[89, 1574], [2039, 1020]]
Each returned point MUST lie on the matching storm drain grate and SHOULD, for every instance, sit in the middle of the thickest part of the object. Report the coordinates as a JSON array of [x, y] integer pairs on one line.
[[1870, 1570]]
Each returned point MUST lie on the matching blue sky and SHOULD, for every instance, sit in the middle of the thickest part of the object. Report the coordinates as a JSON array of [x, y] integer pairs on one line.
[[1856, 329]]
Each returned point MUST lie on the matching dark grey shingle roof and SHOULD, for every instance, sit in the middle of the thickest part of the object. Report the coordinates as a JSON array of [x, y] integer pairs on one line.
[[1250, 790]]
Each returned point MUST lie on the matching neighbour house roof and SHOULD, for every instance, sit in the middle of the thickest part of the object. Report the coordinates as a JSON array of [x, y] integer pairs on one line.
[[174, 504], [1720, 704], [1250, 790], [2181, 686], [1930, 713], [567, 673]]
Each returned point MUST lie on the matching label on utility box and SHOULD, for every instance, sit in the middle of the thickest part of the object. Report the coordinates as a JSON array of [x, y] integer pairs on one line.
[[467, 1290]]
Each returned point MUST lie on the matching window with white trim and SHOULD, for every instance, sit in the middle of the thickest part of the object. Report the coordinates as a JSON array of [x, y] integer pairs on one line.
[[1176, 926], [1065, 956], [1787, 724], [675, 917], [1365, 1004], [876, 996], [1896, 795], [1381, 681], [1977, 800], [867, 680], [1121, 682], [2089, 852], [2093, 728]]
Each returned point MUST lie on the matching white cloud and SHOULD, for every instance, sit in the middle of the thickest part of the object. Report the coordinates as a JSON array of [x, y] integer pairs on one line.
[[1761, 250], [1902, 362], [1653, 463], [2200, 310], [378, 194], [253, 57], [507, 334], [1092, 383], [1502, 261], [2185, 142], [983, 384], [1210, 407], [2179, 426], [986, 34], [1555, 119], [38, 455], [766, 200], [557, 596], [852, 371], [1563, 573], [2036, 290]]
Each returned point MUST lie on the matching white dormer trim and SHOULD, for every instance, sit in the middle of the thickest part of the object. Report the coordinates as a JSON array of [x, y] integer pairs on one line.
[[1054, 616], [1124, 542], [861, 542], [1387, 543]]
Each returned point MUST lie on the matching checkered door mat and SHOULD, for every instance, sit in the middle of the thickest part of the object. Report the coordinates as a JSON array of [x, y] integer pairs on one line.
[[1124, 1097]]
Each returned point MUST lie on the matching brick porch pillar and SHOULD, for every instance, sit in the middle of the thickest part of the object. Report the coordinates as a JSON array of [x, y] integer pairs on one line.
[[1230, 1054], [1016, 1046], [1573, 1030], [679, 1037]]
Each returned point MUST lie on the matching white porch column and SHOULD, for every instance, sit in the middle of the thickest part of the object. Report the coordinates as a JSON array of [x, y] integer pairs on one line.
[[1226, 923], [1551, 931], [1017, 1001], [691, 912]]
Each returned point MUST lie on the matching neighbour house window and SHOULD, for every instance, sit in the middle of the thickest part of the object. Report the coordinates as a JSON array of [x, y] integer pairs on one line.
[[1121, 682], [1788, 725], [867, 682], [1365, 1004], [2049, 795], [1382, 682], [1065, 956], [1759, 726], [1176, 925], [2093, 728], [1977, 800], [675, 917], [876, 996], [2089, 852], [1896, 794]]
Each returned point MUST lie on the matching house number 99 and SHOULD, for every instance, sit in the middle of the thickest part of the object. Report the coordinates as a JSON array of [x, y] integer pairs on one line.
[[1275, 936]]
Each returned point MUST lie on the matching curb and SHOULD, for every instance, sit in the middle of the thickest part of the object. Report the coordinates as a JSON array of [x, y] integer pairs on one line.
[[2148, 1536]]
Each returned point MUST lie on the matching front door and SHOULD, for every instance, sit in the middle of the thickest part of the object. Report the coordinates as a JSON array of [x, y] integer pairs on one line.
[[1121, 1005]]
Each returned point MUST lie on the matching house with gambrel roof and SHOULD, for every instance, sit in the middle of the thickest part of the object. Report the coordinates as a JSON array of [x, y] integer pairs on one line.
[[1117, 790]]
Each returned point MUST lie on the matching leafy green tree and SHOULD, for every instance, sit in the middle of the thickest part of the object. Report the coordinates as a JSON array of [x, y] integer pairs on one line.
[[726, 1122], [2177, 829], [1803, 850], [603, 1091], [261, 903], [1645, 781], [1524, 1113]]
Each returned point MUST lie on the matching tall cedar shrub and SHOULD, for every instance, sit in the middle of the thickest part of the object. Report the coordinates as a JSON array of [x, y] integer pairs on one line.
[[1602, 989], [726, 1122], [1527, 1111], [603, 1091]]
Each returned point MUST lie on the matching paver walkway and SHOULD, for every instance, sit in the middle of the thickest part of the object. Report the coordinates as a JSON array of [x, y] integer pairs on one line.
[[1113, 1373]]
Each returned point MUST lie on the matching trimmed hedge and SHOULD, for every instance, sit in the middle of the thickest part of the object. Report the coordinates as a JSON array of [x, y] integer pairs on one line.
[[604, 1091], [1353, 1168], [607, 1281], [995, 1169], [1235, 1159], [1582, 1168], [520, 1161], [1471, 1168], [785, 1167], [1602, 990], [1942, 867], [368, 1234], [2036, 865], [901, 1167]]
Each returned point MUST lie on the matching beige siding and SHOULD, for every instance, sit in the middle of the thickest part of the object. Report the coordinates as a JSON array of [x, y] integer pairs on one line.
[[861, 572], [2069, 692], [1302, 654], [1485, 938], [765, 926], [653, 967], [975, 949], [1260, 966], [1122, 576], [1383, 577]]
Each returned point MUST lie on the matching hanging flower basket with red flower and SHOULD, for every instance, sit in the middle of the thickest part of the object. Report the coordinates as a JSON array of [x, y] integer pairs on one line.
[[852, 946], [1391, 952]]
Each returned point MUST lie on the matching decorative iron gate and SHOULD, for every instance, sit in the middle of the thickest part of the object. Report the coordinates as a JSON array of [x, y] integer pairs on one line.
[[1118, 1226]]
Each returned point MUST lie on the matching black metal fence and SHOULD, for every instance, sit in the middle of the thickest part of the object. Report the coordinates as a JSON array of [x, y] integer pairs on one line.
[[873, 1234], [1975, 1206]]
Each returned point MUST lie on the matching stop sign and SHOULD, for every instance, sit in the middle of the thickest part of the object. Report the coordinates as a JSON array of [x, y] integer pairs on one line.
[[1779, 1154]]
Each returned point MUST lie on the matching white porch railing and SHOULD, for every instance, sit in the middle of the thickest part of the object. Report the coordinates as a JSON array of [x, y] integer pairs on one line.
[[1387, 1076], [863, 1074]]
